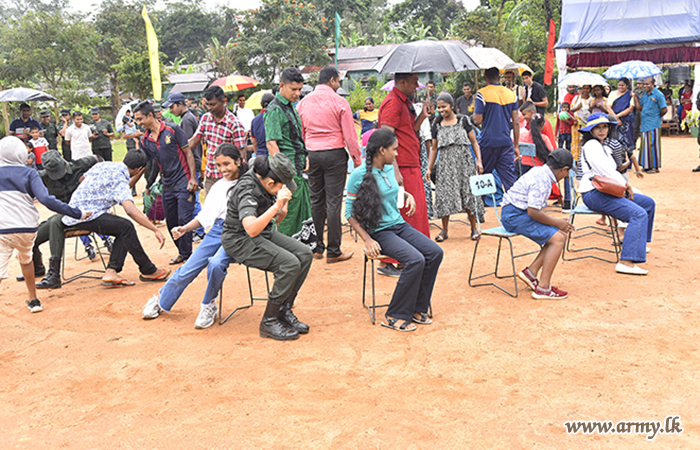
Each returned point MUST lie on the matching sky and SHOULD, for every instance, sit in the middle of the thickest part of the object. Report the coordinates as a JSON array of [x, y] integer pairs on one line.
[[87, 6]]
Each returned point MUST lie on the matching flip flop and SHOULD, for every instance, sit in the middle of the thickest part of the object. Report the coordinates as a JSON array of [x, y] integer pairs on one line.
[[422, 318], [475, 235], [441, 237], [161, 276], [117, 283], [177, 260], [405, 326], [602, 224]]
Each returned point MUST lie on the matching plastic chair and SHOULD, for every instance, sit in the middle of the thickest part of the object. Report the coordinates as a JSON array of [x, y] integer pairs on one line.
[[579, 208], [252, 298], [526, 150], [485, 185]]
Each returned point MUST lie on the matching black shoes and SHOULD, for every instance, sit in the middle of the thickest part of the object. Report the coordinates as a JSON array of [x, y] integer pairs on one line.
[[288, 317], [52, 280], [272, 327]]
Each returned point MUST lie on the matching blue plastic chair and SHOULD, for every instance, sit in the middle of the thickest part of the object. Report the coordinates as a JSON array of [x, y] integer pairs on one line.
[[580, 208], [526, 150], [485, 185]]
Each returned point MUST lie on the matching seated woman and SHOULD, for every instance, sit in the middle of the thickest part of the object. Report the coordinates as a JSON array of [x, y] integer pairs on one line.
[[372, 210], [207, 254], [452, 135], [249, 237], [636, 209]]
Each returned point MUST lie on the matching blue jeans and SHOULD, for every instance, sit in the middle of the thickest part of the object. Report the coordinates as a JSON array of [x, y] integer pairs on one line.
[[503, 160], [197, 209], [421, 257], [639, 214], [208, 254]]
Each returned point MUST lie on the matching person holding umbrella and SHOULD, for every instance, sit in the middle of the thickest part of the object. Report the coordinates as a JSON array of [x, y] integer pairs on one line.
[[398, 115]]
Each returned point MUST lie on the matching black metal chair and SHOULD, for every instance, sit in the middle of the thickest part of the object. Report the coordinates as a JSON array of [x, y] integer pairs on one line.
[[84, 274], [252, 297]]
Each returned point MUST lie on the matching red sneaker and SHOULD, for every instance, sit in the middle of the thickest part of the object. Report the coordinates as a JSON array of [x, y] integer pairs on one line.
[[528, 278], [549, 294]]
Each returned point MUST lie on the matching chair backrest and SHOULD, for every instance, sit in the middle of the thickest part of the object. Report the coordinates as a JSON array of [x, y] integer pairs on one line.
[[484, 185], [527, 150]]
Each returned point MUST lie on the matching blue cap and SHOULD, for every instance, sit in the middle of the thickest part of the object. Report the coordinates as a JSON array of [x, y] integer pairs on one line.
[[596, 119], [173, 98]]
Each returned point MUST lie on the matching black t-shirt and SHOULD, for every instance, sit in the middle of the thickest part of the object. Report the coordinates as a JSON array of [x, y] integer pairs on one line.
[[465, 106], [536, 93]]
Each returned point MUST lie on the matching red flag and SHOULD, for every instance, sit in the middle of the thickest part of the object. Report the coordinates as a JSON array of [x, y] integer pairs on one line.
[[549, 63]]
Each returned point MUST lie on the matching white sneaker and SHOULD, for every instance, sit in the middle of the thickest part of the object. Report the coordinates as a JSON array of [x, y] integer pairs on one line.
[[152, 308], [207, 315], [648, 249], [621, 224], [636, 270]]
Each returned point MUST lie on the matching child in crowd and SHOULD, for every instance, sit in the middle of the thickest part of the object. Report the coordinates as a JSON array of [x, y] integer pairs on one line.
[[372, 210], [18, 187], [522, 213], [209, 253], [564, 123], [29, 162], [39, 144]]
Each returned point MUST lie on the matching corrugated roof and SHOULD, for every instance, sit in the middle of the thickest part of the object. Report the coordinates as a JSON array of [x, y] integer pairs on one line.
[[364, 52], [198, 77], [189, 87]]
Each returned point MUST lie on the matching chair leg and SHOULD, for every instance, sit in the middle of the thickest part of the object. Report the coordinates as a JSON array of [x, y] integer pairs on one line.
[[252, 297], [83, 274], [615, 239], [471, 271]]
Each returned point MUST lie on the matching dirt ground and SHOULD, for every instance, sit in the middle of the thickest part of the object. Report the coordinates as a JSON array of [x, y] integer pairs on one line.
[[492, 372]]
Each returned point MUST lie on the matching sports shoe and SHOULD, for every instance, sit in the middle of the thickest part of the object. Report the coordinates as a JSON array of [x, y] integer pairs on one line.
[[389, 271], [207, 315], [152, 308], [109, 243], [566, 208], [528, 278], [197, 237], [549, 294], [34, 306], [90, 252]]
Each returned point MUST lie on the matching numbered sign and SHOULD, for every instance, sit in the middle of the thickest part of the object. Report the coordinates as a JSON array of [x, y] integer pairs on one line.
[[482, 184]]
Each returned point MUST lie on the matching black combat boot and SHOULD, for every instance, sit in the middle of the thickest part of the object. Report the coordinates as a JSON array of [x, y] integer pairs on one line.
[[272, 327], [52, 280], [287, 316]]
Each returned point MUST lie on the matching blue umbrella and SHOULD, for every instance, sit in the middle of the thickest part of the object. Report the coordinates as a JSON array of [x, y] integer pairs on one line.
[[632, 69]]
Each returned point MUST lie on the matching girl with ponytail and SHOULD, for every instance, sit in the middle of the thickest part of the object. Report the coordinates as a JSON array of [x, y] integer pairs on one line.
[[229, 163], [373, 212]]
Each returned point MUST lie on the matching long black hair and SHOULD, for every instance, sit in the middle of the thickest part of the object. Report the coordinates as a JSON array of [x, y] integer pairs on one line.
[[535, 123], [232, 152], [367, 208]]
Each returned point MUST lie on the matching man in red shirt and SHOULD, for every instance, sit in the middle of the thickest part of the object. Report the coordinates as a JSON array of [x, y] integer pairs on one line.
[[327, 129], [397, 114]]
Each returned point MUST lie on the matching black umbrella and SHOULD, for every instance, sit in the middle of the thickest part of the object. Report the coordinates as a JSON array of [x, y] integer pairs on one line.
[[25, 95], [426, 56]]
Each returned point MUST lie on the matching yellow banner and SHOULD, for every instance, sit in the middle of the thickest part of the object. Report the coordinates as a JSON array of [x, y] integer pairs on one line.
[[152, 40]]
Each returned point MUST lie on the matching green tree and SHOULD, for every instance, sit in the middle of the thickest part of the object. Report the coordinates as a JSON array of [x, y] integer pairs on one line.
[[436, 15], [183, 28], [135, 73], [221, 57], [119, 30], [281, 33], [53, 49]]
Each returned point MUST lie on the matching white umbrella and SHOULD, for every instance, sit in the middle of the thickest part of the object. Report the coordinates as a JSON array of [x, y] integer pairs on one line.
[[582, 79]]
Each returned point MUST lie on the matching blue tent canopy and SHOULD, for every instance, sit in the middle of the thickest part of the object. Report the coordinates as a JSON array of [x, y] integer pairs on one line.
[[614, 23]]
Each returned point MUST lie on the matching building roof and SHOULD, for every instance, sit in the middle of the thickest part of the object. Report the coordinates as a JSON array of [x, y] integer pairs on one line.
[[197, 77], [189, 87]]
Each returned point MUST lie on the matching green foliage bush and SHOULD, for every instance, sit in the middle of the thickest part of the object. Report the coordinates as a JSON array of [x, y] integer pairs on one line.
[[359, 94]]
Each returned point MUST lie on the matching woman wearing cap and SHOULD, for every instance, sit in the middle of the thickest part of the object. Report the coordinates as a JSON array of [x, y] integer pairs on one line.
[[636, 209], [452, 135], [249, 238]]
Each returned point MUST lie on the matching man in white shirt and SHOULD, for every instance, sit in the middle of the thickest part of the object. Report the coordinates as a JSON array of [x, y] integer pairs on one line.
[[246, 116], [78, 137]]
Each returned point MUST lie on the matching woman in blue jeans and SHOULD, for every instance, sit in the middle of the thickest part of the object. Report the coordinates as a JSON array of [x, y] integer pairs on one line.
[[636, 209], [372, 210], [209, 253]]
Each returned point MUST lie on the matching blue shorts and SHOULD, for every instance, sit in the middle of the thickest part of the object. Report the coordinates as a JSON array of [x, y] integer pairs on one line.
[[516, 220]]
